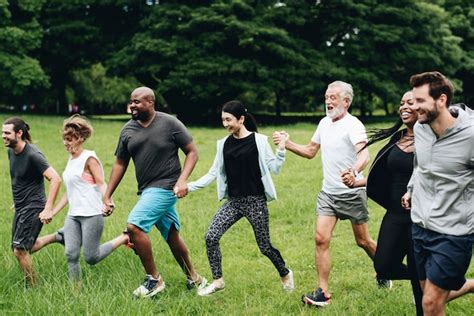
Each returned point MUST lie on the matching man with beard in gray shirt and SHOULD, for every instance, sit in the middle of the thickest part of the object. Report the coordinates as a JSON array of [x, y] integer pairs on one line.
[[441, 193]]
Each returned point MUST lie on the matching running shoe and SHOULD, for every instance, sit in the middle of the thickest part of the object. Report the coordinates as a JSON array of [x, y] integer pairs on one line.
[[384, 283], [199, 283], [150, 287], [317, 298], [289, 284], [210, 289]]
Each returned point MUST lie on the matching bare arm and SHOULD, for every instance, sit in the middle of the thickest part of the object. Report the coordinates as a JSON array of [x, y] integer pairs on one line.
[[95, 169], [362, 157], [118, 170], [54, 184], [307, 151], [181, 187]]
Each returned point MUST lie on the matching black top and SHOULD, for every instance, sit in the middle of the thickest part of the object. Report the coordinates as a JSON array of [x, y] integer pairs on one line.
[[242, 167], [400, 168], [26, 171]]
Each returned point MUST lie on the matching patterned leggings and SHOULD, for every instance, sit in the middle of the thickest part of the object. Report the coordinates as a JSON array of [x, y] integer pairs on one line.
[[254, 208]]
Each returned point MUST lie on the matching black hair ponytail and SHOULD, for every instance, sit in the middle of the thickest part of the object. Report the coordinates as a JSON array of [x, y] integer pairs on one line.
[[237, 109]]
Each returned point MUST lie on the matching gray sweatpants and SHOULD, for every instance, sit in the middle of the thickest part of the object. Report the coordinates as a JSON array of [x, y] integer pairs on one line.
[[84, 231]]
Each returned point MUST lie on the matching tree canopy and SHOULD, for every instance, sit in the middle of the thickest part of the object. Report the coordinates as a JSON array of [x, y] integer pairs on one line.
[[276, 56]]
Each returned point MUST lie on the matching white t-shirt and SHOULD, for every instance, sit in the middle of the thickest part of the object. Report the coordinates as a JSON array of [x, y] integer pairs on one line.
[[338, 140], [83, 195]]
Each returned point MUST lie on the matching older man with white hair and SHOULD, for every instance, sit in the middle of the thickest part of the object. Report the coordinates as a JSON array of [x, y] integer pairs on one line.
[[341, 138]]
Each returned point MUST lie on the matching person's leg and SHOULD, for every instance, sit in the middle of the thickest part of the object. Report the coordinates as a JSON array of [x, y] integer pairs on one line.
[[225, 217], [468, 287], [324, 229], [72, 246], [181, 253], [256, 211], [26, 265], [143, 249], [412, 270], [434, 299], [92, 228], [43, 241], [392, 245], [26, 227], [363, 240]]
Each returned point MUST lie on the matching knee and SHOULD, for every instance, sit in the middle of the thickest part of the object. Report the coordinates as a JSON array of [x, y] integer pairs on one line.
[[382, 267], [430, 305], [72, 255], [321, 240], [363, 243], [211, 240], [91, 259], [132, 229], [19, 254]]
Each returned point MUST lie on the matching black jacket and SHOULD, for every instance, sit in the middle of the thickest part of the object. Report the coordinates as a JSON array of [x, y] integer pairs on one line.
[[378, 180]]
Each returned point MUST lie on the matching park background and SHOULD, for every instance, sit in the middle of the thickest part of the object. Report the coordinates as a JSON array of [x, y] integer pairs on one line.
[[275, 56]]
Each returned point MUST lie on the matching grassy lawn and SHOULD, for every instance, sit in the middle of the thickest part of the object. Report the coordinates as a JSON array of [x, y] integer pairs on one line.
[[252, 284]]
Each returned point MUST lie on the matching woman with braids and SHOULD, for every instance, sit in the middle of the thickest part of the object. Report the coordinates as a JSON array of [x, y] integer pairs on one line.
[[386, 183], [242, 167], [85, 186]]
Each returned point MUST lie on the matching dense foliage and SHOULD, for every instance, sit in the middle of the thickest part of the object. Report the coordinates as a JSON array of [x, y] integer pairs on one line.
[[277, 56]]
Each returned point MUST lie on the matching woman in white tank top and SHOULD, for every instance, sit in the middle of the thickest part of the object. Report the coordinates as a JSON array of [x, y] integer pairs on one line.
[[85, 186]]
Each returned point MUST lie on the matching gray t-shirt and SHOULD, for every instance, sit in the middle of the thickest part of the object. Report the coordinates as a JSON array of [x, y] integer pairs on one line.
[[154, 150], [26, 171]]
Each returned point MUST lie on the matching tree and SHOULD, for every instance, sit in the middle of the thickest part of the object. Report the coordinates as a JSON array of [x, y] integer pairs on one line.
[[20, 35], [199, 56]]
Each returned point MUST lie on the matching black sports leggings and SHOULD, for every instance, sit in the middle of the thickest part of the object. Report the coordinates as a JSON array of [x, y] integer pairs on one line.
[[394, 243], [254, 208]]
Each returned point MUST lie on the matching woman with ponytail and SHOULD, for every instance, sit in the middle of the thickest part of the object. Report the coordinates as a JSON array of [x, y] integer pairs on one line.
[[242, 167]]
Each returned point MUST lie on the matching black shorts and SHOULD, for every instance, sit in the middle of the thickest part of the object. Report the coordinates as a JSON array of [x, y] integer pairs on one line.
[[442, 259], [26, 228]]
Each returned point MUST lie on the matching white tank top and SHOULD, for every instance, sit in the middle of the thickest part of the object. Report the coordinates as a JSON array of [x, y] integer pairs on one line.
[[83, 195]]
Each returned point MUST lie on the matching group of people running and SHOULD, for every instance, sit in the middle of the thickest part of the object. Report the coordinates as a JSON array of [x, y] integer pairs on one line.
[[432, 155]]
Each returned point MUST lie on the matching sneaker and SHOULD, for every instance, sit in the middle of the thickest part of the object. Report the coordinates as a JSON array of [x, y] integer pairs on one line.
[[210, 289], [150, 287], [289, 284], [60, 236], [384, 283], [199, 283], [317, 298]]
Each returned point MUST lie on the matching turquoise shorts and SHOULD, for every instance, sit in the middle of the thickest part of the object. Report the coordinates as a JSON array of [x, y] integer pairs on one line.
[[156, 207]]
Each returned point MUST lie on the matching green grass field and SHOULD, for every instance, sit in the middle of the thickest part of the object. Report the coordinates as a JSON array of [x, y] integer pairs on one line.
[[252, 284]]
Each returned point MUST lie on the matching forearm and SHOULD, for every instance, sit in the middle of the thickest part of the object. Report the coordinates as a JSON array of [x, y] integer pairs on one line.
[[361, 162], [118, 171], [188, 166], [300, 150], [61, 204], [54, 186]]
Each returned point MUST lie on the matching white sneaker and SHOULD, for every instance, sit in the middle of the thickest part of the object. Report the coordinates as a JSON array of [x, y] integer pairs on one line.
[[210, 289], [150, 287], [289, 284]]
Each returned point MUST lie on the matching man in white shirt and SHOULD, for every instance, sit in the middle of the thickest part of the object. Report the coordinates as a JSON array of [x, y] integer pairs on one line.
[[340, 136]]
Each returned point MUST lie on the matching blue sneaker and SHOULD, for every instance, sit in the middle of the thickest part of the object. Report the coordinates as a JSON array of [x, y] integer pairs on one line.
[[317, 298]]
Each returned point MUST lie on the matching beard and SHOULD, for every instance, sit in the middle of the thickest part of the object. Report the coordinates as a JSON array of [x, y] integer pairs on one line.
[[139, 116], [335, 112], [11, 143], [430, 116]]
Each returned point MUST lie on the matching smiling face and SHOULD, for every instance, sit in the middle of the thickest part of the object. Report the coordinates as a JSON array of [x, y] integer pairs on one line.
[[231, 123], [141, 104], [407, 114], [10, 137], [425, 105], [336, 106]]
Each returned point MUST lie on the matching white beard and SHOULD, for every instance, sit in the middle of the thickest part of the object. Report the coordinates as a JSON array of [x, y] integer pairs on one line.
[[335, 112]]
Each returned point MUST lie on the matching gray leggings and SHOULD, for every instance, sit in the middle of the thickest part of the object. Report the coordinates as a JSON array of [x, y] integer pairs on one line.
[[86, 231]]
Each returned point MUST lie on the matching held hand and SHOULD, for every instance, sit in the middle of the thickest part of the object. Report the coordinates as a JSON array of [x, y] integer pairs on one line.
[[276, 138], [108, 207], [284, 137], [406, 201], [348, 177], [180, 189], [46, 216]]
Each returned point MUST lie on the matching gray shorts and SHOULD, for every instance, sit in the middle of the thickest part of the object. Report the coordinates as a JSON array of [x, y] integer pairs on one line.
[[352, 206]]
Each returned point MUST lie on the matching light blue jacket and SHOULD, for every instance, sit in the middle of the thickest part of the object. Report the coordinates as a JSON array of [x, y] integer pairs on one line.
[[268, 162]]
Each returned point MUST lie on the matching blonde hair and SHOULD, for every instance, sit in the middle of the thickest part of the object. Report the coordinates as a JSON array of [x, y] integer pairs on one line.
[[77, 126]]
